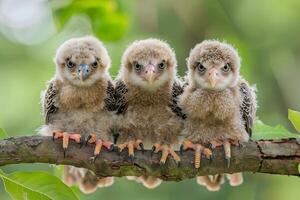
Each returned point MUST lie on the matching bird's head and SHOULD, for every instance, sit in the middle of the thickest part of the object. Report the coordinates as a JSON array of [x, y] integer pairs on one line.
[[82, 61], [148, 64], [213, 65]]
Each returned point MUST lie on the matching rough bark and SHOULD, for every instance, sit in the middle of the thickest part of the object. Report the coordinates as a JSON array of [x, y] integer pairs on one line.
[[268, 156]]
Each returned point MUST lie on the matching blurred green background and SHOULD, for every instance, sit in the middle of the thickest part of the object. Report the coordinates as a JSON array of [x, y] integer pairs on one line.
[[266, 33]]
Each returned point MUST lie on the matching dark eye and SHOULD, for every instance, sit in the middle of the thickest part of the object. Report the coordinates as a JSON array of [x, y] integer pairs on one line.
[[226, 68], [201, 68], [137, 66], [95, 64], [70, 64], [162, 65]]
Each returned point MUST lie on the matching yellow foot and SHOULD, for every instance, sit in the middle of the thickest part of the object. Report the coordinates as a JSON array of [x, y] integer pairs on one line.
[[166, 150], [92, 139], [131, 145], [199, 149], [66, 137]]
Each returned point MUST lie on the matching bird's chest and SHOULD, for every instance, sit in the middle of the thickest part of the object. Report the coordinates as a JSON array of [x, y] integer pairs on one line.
[[215, 105], [76, 120], [148, 116], [81, 99]]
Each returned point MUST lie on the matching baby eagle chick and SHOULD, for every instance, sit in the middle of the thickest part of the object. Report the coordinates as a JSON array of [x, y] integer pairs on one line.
[[219, 104], [149, 88], [76, 103]]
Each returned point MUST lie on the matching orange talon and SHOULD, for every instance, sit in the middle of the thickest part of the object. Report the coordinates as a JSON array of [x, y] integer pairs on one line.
[[57, 134], [197, 157], [227, 148], [175, 156], [164, 155], [92, 139], [166, 150], [199, 149], [207, 152], [131, 145], [66, 137], [130, 148], [98, 147], [187, 145]]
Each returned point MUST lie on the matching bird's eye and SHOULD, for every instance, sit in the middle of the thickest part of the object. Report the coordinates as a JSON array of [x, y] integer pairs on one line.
[[162, 65], [137, 66], [70, 64], [201, 68], [95, 64], [226, 68]]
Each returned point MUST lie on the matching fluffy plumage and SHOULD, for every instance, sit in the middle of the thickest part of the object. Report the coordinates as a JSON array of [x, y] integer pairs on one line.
[[147, 99], [219, 103], [77, 100]]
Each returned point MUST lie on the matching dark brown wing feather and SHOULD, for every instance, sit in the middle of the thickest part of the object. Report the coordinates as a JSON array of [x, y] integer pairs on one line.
[[177, 89], [49, 102], [110, 98], [120, 99], [247, 107]]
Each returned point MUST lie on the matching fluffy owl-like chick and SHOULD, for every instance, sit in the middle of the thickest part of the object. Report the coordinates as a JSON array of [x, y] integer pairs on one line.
[[219, 104], [76, 102], [148, 85]]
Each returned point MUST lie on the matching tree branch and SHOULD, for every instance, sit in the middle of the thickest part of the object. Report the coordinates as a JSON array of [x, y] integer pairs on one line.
[[269, 156]]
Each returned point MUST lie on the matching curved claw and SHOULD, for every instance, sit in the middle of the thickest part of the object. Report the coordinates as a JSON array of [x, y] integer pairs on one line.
[[87, 140], [95, 158], [131, 145], [66, 137], [166, 151], [111, 148], [131, 158], [82, 141], [227, 160], [227, 150], [181, 149], [65, 152], [153, 150], [141, 145], [210, 146], [119, 150]]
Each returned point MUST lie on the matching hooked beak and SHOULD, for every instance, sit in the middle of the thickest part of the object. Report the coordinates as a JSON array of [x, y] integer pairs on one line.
[[83, 72], [150, 74], [213, 77]]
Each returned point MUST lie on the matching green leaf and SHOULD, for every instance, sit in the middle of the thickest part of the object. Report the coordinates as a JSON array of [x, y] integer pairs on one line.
[[299, 168], [294, 117], [58, 170], [108, 19], [3, 134], [263, 131], [36, 186]]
